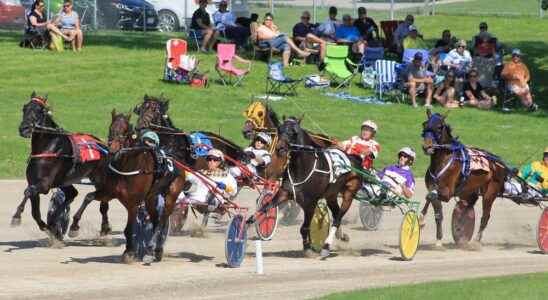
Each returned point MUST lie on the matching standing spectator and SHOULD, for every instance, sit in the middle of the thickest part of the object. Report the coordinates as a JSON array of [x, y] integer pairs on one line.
[[445, 93], [326, 30], [483, 32], [475, 94], [459, 59], [225, 21], [201, 23], [38, 23], [402, 31], [447, 41], [347, 33], [366, 26], [412, 40], [268, 35], [69, 22], [419, 77], [516, 74], [304, 36]]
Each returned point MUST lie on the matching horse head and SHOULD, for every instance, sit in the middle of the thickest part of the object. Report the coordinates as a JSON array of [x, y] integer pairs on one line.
[[435, 132], [153, 111], [36, 113], [290, 133], [259, 116], [120, 132]]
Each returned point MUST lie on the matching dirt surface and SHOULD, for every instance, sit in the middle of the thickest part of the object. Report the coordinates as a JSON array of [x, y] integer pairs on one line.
[[89, 268]]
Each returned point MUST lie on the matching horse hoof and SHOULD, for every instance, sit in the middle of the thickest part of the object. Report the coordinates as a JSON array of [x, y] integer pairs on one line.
[[73, 233], [148, 259], [324, 253], [344, 238], [105, 230], [158, 255], [15, 221], [308, 253], [127, 258], [422, 222], [439, 246]]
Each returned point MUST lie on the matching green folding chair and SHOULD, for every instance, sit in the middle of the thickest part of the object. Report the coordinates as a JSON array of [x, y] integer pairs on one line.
[[337, 65]]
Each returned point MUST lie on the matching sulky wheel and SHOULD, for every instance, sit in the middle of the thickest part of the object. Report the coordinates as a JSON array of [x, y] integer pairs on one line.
[[319, 226], [462, 223], [410, 235], [370, 216], [267, 222], [542, 231], [236, 239], [177, 220]]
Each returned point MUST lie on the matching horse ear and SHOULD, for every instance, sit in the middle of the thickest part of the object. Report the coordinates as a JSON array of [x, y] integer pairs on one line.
[[46, 97], [113, 113], [137, 109], [166, 105], [129, 115], [300, 119], [283, 118], [33, 95], [428, 113], [145, 98]]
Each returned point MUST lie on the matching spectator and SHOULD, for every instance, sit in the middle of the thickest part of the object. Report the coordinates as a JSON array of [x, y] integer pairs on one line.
[[225, 21], [268, 35], [516, 75], [402, 31], [246, 22], [445, 93], [483, 32], [347, 33], [39, 24], [304, 36], [69, 22], [475, 94], [201, 23], [366, 26], [483, 40], [459, 59], [419, 78], [326, 30], [434, 61], [447, 42], [412, 40]]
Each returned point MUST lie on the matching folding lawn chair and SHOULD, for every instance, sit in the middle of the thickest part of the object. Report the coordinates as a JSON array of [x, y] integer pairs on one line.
[[386, 76], [371, 55], [34, 39], [195, 37], [179, 66], [278, 83], [409, 54], [226, 54], [336, 61]]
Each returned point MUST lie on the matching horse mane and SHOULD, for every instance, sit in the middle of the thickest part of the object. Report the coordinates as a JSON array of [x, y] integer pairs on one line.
[[273, 116]]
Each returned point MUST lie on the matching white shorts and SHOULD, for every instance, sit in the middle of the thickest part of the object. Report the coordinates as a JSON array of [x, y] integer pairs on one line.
[[518, 89]]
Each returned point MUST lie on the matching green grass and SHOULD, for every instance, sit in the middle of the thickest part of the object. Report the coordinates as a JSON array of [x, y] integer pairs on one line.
[[117, 69], [523, 287]]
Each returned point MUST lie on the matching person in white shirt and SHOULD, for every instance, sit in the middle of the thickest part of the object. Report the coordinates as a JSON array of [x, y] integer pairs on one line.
[[201, 191], [459, 59], [326, 30], [225, 22], [259, 157]]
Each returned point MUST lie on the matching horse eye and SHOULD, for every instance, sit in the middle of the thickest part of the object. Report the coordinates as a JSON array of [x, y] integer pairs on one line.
[[260, 114]]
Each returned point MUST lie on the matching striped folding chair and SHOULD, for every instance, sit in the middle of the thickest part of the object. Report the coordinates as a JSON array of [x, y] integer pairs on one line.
[[386, 76]]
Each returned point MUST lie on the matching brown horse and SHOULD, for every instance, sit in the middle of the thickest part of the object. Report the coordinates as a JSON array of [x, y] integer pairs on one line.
[[307, 178], [131, 176], [449, 174]]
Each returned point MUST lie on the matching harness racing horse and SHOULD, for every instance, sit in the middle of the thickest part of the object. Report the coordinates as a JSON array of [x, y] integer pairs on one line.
[[131, 176], [449, 175], [307, 178], [52, 164]]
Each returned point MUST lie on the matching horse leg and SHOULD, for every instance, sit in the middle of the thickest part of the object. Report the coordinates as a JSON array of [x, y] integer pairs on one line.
[[16, 219], [129, 253], [352, 187], [105, 225], [305, 230], [488, 200], [75, 227], [34, 197], [438, 215], [424, 211], [335, 212], [58, 219], [169, 205]]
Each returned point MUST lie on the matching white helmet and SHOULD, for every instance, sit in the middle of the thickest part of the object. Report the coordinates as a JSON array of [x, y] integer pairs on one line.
[[264, 137], [216, 153], [370, 124], [408, 151]]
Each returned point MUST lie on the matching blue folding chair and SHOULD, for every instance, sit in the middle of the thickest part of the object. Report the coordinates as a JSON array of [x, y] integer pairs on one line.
[[278, 83], [409, 54], [371, 55]]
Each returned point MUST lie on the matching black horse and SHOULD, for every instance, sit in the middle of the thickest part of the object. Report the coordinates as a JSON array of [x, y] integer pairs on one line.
[[307, 178], [52, 164]]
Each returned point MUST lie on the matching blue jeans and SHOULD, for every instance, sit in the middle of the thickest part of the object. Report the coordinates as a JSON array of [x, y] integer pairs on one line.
[[279, 43]]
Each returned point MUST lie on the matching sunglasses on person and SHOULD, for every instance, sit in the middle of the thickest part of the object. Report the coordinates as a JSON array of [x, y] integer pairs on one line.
[[473, 75], [460, 46], [213, 158], [305, 18], [268, 19], [66, 5]]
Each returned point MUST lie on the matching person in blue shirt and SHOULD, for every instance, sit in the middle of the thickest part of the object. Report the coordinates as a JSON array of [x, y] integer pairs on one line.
[[349, 34]]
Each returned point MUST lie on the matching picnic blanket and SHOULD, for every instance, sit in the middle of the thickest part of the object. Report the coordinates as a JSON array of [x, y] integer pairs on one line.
[[356, 99]]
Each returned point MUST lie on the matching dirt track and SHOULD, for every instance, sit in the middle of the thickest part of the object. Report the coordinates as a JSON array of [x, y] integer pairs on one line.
[[192, 268]]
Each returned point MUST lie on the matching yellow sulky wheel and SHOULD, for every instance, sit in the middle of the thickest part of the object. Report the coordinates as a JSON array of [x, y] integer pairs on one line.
[[410, 235]]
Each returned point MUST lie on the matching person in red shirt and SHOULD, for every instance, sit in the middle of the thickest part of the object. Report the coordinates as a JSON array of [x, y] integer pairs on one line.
[[363, 146]]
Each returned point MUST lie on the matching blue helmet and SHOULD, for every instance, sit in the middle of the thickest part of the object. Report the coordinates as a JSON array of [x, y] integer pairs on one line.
[[151, 136]]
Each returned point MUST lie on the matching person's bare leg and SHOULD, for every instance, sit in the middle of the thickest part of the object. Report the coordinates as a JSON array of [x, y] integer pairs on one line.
[[207, 36], [55, 29], [485, 104], [285, 57], [413, 93], [450, 99], [296, 49], [526, 98], [79, 40], [314, 39], [213, 39], [428, 100]]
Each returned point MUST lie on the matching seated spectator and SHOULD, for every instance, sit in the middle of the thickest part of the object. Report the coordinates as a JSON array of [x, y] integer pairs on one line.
[[418, 77], [366, 26], [445, 93], [69, 22], [516, 75], [326, 30], [225, 21], [303, 33], [246, 22], [268, 35], [447, 42], [412, 40], [347, 33], [459, 59], [38, 23], [201, 22], [402, 31], [434, 62], [475, 94]]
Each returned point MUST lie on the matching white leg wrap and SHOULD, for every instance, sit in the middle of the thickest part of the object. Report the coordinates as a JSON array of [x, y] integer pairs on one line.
[[331, 236]]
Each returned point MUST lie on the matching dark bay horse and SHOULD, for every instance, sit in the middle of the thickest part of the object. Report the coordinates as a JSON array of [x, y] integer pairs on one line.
[[130, 176], [449, 176], [307, 179], [51, 163]]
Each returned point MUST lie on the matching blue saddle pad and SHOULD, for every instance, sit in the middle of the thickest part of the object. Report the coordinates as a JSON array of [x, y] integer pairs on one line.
[[201, 143]]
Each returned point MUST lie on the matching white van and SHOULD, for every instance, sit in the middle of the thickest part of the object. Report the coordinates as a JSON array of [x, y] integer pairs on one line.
[[176, 15]]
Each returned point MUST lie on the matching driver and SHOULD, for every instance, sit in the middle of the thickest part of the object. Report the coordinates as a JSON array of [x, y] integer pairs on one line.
[[363, 146], [258, 155], [535, 174], [399, 176], [215, 175]]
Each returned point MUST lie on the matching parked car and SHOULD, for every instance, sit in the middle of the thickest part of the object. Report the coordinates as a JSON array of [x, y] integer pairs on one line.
[[127, 15], [12, 13], [174, 16]]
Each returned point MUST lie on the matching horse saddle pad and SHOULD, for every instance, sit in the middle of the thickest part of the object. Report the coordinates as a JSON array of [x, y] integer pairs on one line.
[[200, 143], [478, 160], [86, 147], [338, 162]]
